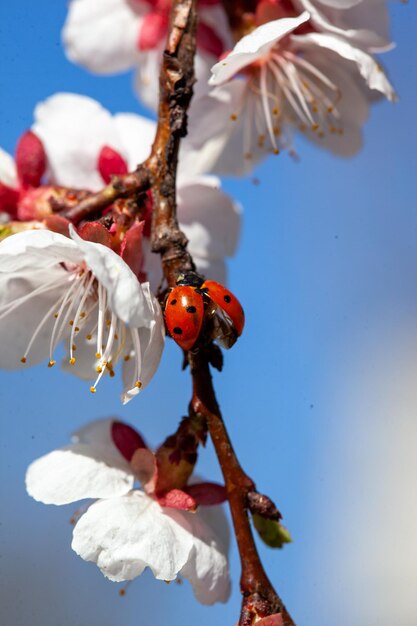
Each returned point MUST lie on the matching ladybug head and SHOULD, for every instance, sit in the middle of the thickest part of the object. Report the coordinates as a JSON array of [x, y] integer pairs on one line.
[[190, 279]]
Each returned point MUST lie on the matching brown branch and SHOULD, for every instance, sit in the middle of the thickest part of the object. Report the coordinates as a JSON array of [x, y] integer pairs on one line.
[[120, 187], [259, 597], [176, 82], [176, 89]]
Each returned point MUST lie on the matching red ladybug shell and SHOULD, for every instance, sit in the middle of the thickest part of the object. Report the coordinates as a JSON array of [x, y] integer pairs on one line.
[[184, 312], [227, 302]]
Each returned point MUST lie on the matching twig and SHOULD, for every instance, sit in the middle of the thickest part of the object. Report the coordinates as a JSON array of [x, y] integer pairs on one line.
[[176, 89], [120, 187], [259, 597]]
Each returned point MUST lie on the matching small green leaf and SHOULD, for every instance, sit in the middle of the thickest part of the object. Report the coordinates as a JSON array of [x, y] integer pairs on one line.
[[271, 532]]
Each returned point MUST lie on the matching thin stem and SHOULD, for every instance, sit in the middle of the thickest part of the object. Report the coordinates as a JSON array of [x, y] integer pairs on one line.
[[259, 597], [120, 187]]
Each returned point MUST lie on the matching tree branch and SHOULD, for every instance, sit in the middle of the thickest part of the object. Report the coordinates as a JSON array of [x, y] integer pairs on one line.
[[259, 597], [120, 187], [176, 82]]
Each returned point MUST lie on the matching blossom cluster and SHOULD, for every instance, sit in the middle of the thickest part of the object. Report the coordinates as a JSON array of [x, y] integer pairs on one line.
[[93, 284]]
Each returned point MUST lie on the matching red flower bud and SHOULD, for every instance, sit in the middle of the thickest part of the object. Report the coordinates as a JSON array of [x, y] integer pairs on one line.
[[111, 163], [30, 160]]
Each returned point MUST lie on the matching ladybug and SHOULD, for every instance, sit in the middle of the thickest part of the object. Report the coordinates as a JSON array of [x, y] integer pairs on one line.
[[194, 301]]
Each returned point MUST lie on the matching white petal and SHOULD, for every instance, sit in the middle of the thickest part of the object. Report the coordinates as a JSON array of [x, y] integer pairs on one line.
[[207, 567], [364, 23], [77, 472], [254, 46], [17, 328], [209, 218], [103, 35], [137, 134], [210, 146], [8, 174], [74, 129], [352, 106], [35, 250], [125, 293], [341, 4], [369, 69], [125, 535], [95, 433]]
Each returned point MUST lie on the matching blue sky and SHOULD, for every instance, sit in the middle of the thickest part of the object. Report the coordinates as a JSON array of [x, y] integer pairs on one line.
[[319, 393]]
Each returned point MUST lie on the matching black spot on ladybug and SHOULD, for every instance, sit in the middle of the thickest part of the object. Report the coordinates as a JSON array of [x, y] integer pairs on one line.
[[174, 301], [191, 309], [177, 330], [227, 299]]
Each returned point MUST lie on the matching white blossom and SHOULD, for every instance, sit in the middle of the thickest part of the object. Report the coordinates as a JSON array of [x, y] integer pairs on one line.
[[209, 217], [115, 35], [277, 78], [55, 288], [126, 530]]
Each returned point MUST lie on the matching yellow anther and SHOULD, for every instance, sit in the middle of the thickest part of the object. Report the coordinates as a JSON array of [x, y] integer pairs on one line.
[[88, 337], [76, 329], [315, 126], [108, 322], [233, 117], [72, 360], [74, 347], [93, 389], [275, 111], [330, 109], [51, 363], [98, 355], [71, 322], [99, 369], [138, 384], [55, 315], [126, 358], [23, 359], [116, 336], [83, 314], [276, 151]]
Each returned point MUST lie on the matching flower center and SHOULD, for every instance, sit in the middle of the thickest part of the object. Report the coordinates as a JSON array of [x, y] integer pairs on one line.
[[286, 87], [82, 310]]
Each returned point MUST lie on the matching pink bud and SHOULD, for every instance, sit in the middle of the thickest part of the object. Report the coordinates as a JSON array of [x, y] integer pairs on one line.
[[126, 439], [8, 200], [111, 163], [57, 224], [131, 248], [95, 232], [178, 499], [208, 40], [30, 159], [153, 30], [35, 203], [207, 494]]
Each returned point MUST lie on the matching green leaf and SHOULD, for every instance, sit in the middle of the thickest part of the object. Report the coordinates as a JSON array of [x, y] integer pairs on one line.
[[271, 532]]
